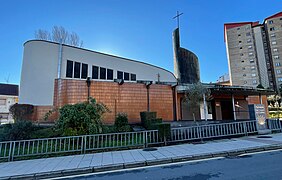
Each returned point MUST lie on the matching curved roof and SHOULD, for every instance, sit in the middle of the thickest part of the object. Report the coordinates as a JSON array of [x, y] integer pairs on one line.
[[34, 40]]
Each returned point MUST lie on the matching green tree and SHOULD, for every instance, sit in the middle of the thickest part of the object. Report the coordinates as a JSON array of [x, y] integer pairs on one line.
[[81, 118], [260, 86], [121, 123], [195, 94]]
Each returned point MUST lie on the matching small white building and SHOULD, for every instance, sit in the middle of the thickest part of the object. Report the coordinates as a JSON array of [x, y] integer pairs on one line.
[[8, 96]]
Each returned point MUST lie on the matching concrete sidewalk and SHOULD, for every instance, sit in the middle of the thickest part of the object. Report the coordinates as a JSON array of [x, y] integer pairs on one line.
[[78, 164]]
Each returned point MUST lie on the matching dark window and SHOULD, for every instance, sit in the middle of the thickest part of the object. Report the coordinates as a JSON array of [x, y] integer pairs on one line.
[[76, 70], [240, 41], [102, 73], [133, 77], [120, 75], [69, 69], [84, 72], [126, 76], [95, 72], [110, 74]]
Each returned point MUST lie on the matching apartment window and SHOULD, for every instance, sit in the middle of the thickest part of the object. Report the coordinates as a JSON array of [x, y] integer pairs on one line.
[[250, 47], [242, 54], [84, 71], [126, 76], [240, 41], [276, 57], [270, 22], [77, 70], [243, 68], [241, 48], [279, 79], [69, 69], [277, 64], [250, 54], [2, 102], [110, 74], [278, 71], [249, 40], [238, 28], [244, 75], [254, 81], [133, 77], [102, 73], [272, 29], [253, 67], [275, 50], [120, 75], [245, 82], [239, 34], [272, 35], [252, 61], [280, 18], [248, 34], [273, 43], [242, 61], [253, 75], [95, 72]]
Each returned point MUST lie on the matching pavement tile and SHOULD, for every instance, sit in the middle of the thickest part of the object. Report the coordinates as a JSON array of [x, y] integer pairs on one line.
[[136, 157]]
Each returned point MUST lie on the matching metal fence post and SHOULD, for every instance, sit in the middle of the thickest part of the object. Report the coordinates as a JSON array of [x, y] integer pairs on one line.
[[245, 128], [11, 151], [82, 144], [145, 139]]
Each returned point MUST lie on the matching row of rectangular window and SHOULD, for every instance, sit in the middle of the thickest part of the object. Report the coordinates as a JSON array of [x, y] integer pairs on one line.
[[80, 70], [76, 70], [254, 82]]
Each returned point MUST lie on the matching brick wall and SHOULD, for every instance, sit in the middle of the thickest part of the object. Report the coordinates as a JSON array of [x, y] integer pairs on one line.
[[39, 113], [130, 98], [256, 100]]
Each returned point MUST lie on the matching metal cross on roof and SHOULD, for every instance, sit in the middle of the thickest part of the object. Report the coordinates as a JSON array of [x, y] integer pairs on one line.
[[177, 16]]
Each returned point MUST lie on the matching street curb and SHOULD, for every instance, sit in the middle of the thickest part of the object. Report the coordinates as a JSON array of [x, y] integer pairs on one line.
[[86, 170]]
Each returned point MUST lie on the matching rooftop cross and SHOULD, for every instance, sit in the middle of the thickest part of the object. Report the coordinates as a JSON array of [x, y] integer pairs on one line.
[[177, 16]]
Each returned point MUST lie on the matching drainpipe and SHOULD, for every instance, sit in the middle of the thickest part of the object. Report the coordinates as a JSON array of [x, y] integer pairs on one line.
[[148, 84], [174, 102]]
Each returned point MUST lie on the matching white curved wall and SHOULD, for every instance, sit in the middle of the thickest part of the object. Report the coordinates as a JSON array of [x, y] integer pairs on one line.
[[40, 62]]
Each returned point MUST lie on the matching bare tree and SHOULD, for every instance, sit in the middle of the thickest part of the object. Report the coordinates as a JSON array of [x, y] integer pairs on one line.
[[74, 40], [60, 35], [42, 35]]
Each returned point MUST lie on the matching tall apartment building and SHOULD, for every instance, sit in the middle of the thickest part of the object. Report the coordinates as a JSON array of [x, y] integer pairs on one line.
[[254, 52]]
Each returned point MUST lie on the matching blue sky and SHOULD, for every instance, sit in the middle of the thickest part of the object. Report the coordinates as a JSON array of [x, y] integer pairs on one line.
[[140, 30]]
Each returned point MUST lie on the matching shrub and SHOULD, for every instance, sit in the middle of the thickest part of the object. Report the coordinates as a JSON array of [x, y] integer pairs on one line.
[[21, 111], [46, 133], [121, 123], [164, 131], [21, 129], [146, 118], [81, 118]]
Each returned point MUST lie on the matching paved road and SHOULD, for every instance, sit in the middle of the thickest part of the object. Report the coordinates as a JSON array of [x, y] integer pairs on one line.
[[264, 166]]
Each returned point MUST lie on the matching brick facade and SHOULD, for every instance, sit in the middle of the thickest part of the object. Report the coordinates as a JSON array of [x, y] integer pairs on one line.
[[130, 98]]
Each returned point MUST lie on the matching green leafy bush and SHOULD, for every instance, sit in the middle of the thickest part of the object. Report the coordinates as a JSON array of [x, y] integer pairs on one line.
[[147, 117], [49, 132], [21, 111], [21, 129], [121, 123], [81, 118], [164, 131]]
